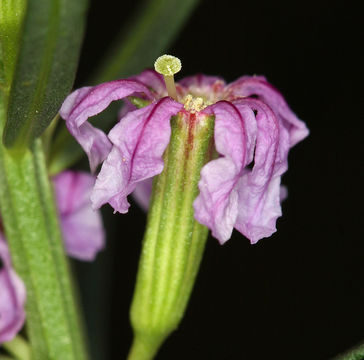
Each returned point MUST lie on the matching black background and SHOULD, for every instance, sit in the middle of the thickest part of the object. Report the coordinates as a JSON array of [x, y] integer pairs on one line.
[[299, 294]]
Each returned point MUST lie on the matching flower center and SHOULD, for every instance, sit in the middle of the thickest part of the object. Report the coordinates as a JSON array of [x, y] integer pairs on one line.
[[194, 104]]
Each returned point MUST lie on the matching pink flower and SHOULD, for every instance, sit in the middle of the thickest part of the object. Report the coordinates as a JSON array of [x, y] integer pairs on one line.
[[82, 228], [254, 130], [12, 296]]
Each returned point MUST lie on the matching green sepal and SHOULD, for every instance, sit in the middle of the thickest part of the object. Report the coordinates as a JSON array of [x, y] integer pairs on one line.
[[174, 241], [138, 102], [49, 47]]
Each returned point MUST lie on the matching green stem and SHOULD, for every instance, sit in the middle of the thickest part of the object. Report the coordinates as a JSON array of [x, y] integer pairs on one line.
[[174, 242], [144, 348], [355, 353], [19, 348], [32, 230]]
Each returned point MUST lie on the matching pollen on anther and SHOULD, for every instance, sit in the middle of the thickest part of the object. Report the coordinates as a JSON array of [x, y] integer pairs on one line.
[[168, 65], [194, 104]]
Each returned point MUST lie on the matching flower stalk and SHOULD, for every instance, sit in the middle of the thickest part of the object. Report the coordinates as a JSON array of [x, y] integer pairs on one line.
[[174, 241]]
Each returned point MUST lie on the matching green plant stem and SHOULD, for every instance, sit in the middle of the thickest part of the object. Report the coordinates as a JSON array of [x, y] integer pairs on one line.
[[355, 353], [174, 242], [19, 348], [32, 230]]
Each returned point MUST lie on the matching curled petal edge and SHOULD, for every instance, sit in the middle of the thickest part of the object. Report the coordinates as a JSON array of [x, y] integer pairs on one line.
[[217, 203], [259, 86], [259, 188], [89, 101], [139, 141]]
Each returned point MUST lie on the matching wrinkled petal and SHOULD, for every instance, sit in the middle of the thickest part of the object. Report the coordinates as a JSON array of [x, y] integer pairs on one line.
[[82, 227], [208, 87], [201, 81], [12, 297], [139, 141], [142, 193], [217, 204], [257, 85], [153, 81], [89, 101], [259, 188]]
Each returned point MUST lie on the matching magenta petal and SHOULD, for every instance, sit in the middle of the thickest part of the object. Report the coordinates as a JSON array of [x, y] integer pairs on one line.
[[139, 141], [12, 297], [142, 193], [208, 87], [82, 227], [153, 81], [217, 204], [201, 81], [257, 85], [259, 188], [89, 101]]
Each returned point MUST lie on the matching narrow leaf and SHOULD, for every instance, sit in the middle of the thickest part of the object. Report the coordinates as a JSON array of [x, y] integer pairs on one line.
[[11, 18], [45, 69]]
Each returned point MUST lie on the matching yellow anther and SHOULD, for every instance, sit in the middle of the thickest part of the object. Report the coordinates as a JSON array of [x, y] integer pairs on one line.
[[194, 104], [187, 101], [199, 103]]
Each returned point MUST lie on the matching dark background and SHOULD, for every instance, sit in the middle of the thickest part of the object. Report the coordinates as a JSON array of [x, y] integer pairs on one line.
[[299, 294]]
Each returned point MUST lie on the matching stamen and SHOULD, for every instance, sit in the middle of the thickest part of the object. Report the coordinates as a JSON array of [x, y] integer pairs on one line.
[[168, 65], [195, 104]]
